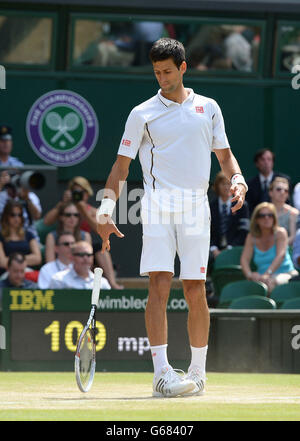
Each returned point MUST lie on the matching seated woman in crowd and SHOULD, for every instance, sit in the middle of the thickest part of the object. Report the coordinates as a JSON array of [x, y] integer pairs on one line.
[[267, 244], [68, 221], [15, 238], [287, 215]]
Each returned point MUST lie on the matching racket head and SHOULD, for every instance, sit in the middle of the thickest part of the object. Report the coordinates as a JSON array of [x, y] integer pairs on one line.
[[85, 359], [71, 121], [53, 121]]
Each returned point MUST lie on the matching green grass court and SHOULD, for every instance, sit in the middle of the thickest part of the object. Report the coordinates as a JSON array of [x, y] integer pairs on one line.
[[128, 397]]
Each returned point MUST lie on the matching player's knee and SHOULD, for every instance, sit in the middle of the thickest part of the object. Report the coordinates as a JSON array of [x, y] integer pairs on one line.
[[195, 293], [160, 284]]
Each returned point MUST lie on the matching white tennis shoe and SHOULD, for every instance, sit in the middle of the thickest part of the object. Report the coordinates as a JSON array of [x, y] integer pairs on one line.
[[194, 374], [170, 384]]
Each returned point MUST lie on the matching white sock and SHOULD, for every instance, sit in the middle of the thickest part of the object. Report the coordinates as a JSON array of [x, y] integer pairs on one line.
[[198, 358], [159, 358]]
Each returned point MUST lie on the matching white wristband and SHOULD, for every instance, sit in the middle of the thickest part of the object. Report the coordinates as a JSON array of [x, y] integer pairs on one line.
[[239, 179], [107, 207]]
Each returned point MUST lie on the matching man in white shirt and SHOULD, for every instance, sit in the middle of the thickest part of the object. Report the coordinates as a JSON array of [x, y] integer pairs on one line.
[[80, 275], [63, 261], [174, 133]]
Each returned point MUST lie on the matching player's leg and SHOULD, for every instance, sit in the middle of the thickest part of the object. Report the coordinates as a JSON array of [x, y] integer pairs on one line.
[[166, 381], [155, 314], [193, 236], [157, 261], [198, 330]]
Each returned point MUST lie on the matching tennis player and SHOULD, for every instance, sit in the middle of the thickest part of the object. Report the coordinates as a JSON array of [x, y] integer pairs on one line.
[[174, 133]]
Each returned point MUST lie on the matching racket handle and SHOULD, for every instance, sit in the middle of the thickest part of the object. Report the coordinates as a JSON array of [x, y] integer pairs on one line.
[[97, 284]]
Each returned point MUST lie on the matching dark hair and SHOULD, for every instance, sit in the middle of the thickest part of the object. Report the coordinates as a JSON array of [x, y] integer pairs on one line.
[[261, 152], [63, 233], [60, 225], [8, 209], [15, 257], [165, 48]]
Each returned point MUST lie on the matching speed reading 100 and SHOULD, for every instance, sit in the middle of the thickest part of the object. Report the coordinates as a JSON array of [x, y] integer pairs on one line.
[[71, 333]]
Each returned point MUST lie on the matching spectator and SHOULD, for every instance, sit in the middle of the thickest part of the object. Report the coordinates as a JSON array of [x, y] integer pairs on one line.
[[15, 238], [227, 229], [267, 244], [79, 191], [64, 242], [296, 196], [287, 215], [6, 145], [296, 250], [80, 275], [32, 209], [238, 48], [15, 278], [68, 220], [258, 186]]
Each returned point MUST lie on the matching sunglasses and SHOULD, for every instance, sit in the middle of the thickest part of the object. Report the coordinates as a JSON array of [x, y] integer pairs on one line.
[[16, 215], [71, 214], [262, 215], [83, 254], [66, 244], [282, 189]]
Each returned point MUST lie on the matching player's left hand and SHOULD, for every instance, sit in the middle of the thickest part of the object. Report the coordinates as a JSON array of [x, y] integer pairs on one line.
[[239, 192]]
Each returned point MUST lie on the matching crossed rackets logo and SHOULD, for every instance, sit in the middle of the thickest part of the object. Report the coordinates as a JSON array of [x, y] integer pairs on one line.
[[62, 130], [62, 126]]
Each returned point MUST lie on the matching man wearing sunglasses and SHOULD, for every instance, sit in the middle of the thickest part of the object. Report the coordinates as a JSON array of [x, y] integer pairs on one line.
[[64, 242], [79, 276]]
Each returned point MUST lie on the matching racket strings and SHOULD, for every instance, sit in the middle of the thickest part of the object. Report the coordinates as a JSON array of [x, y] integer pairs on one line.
[[86, 357]]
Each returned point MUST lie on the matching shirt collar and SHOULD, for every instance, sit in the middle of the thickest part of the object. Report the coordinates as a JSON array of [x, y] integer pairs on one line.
[[268, 178], [168, 103], [221, 203], [88, 279], [62, 266]]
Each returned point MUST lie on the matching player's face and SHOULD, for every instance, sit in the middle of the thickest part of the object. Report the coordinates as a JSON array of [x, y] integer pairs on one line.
[[168, 75]]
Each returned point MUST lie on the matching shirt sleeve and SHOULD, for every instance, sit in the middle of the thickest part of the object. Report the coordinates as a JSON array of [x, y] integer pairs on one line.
[[220, 140], [132, 136], [105, 284], [44, 279], [35, 200], [55, 283]]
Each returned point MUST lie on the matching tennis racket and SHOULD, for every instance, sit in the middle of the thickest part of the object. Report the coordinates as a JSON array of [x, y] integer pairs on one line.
[[85, 356]]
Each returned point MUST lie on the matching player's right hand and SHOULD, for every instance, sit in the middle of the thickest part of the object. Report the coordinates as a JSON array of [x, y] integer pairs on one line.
[[106, 227]]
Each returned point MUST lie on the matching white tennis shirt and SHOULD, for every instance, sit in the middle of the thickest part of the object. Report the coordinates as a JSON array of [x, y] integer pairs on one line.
[[174, 142]]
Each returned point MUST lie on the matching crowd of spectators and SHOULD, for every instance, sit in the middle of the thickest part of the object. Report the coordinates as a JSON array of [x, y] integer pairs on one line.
[[267, 227], [72, 249]]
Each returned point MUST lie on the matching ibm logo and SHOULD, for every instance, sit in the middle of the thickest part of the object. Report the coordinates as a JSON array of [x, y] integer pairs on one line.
[[2, 77], [2, 337]]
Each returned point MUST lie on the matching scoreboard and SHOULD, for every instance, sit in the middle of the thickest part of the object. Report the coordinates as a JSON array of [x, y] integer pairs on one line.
[[42, 328]]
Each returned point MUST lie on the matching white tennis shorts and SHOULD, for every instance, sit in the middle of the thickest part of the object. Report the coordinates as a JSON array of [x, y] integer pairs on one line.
[[185, 233]]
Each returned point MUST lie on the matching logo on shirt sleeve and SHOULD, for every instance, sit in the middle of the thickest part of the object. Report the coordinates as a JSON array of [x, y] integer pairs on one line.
[[126, 142], [199, 109]]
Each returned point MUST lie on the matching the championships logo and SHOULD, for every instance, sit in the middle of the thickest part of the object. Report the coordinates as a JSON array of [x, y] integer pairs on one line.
[[62, 128]]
